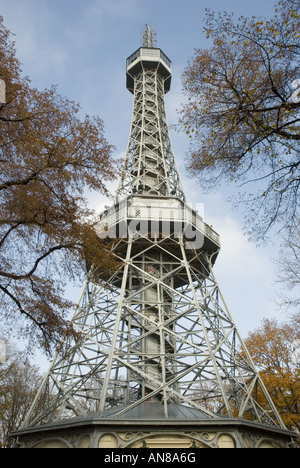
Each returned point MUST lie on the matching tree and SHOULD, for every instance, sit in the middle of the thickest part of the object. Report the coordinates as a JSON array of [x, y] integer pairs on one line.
[[50, 157], [20, 381], [242, 113], [288, 271], [271, 348]]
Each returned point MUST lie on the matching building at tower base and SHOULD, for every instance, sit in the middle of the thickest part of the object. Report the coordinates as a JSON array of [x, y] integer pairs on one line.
[[146, 427]]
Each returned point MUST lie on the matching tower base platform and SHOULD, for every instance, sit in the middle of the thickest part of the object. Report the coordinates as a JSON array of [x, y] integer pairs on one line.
[[146, 427]]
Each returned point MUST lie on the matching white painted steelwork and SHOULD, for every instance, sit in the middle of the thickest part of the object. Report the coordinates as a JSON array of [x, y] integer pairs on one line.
[[158, 329]]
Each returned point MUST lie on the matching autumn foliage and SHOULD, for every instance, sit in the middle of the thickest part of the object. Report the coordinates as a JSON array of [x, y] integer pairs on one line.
[[242, 112], [271, 348], [50, 156]]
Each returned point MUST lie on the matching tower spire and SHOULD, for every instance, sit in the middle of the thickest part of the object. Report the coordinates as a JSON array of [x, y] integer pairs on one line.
[[149, 166]]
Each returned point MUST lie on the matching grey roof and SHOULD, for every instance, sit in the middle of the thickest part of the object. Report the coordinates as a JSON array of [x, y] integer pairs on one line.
[[151, 414], [148, 411], [155, 410]]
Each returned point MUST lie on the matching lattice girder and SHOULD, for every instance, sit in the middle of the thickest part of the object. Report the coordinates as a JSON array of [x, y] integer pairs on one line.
[[149, 166], [147, 339], [158, 329]]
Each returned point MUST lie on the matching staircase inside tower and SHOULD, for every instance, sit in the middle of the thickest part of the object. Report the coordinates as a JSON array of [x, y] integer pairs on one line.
[[155, 348]]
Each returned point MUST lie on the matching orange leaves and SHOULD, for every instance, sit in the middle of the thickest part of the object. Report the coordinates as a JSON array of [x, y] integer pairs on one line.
[[271, 349], [49, 157], [241, 110]]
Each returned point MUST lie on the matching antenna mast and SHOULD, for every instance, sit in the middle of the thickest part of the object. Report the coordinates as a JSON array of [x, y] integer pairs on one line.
[[148, 36]]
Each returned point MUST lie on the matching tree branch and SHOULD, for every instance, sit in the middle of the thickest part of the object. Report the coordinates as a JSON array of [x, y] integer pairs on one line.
[[38, 261], [25, 181], [21, 309]]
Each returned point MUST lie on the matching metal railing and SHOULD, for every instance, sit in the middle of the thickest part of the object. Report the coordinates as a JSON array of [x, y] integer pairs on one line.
[[142, 212]]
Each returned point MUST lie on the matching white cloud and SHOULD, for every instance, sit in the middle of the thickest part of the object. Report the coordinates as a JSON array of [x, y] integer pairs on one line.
[[95, 15], [238, 254], [117, 8], [245, 276], [33, 24]]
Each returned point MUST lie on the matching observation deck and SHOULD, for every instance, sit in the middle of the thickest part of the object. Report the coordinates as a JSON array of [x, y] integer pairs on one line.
[[157, 218], [149, 59]]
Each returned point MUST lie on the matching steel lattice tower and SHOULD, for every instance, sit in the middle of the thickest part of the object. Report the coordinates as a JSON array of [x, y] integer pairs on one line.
[[156, 334]]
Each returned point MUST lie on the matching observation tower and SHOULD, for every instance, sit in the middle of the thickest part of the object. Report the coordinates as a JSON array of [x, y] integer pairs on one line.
[[158, 361]]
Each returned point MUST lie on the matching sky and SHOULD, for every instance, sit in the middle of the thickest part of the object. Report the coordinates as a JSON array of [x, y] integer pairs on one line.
[[82, 45]]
